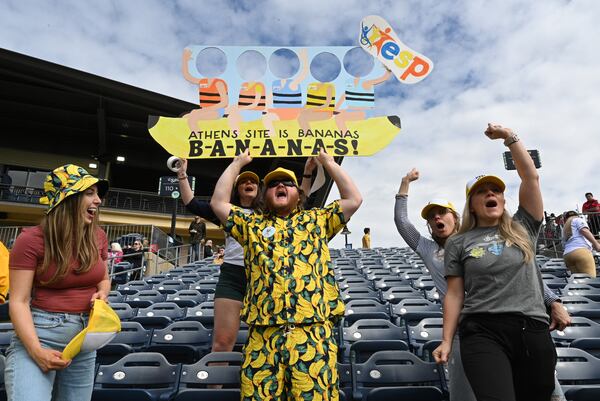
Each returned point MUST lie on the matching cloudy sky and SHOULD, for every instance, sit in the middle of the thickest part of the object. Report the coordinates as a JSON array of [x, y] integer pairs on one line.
[[532, 66]]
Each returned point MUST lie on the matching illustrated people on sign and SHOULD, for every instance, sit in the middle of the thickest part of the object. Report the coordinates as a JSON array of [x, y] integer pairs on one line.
[[359, 98], [495, 294], [213, 95], [57, 269], [591, 208], [292, 300], [197, 232], [252, 99], [320, 101], [285, 101], [442, 222], [366, 239], [578, 244]]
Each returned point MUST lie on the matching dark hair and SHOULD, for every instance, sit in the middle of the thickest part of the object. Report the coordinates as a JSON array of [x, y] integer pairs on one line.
[[589, 193], [256, 204], [367, 230]]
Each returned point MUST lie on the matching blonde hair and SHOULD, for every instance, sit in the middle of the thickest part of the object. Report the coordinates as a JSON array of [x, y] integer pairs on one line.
[[510, 230], [67, 237], [116, 247]]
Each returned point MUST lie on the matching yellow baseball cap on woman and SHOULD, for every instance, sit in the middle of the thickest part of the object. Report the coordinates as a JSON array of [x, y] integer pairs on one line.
[[436, 202], [247, 174], [482, 179]]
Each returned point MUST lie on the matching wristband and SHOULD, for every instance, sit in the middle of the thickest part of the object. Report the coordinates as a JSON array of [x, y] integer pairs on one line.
[[307, 175], [511, 139], [182, 178]]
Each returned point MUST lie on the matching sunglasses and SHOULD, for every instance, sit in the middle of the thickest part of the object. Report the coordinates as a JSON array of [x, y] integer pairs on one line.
[[287, 183]]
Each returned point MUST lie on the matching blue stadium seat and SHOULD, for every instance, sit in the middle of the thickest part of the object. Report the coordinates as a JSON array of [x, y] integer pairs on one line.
[[424, 283], [373, 329], [214, 369], [6, 333], [203, 313], [386, 282], [365, 306], [170, 286], [354, 281], [410, 376], [115, 297], [428, 329], [577, 369], [159, 315], [124, 310], [187, 298], [361, 351], [142, 376], [589, 345], [353, 293], [580, 327], [2, 389], [145, 298], [182, 342], [133, 337], [394, 295], [133, 287]]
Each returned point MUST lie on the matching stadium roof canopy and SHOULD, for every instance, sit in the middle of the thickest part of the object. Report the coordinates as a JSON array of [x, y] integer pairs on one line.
[[54, 109]]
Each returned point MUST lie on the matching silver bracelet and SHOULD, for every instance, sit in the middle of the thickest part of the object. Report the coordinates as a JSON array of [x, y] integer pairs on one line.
[[511, 139]]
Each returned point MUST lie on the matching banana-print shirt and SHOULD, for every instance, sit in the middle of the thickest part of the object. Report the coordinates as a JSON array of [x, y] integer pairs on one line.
[[290, 274]]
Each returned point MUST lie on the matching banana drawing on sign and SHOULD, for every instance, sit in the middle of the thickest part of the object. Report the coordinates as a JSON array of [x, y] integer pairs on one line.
[[379, 39], [277, 111]]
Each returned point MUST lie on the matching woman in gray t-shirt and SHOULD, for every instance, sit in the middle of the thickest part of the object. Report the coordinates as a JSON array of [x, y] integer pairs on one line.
[[495, 287]]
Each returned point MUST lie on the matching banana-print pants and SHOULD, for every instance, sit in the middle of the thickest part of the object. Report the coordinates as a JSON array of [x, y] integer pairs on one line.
[[292, 362]]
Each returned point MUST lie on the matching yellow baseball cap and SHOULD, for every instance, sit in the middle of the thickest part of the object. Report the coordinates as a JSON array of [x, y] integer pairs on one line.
[[103, 326], [482, 179], [280, 173], [247, 174], [436, 202]]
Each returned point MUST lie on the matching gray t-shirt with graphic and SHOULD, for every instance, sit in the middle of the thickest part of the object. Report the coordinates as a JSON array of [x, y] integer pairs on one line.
[[497, 280]]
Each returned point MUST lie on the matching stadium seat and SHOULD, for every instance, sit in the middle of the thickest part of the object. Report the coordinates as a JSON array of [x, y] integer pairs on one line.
[[133, 337], [373, 329], [133, 287], [424, 283], [187, 298], [354, 281], [159, 315], [204, 286], [361, 350], [2, 389], [170, 286], [353, 293], [412, 310], [345, 381], [156, 278], [386, 282], [143, 376], [591, 393], [405, 393], [121, 272], [589, 345], [145, 298], [411, 378], [6, 333], [394, 295], [576, 369], [214, 369], [124, 310], [364, 306], [115, 297], [426, 330], [203, 313], [580, 327], [182, 342]]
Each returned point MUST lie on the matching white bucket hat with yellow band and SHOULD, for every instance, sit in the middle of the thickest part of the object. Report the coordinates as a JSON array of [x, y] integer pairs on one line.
[[103, 326]]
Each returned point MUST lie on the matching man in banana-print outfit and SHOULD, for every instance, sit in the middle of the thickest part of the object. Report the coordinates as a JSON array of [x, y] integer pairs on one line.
[[292, 299]]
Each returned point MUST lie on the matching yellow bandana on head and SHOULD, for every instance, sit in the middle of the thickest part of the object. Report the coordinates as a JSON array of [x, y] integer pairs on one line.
[[103, 325]]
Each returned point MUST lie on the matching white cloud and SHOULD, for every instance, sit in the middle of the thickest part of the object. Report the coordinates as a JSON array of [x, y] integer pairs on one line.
[[530, 65]]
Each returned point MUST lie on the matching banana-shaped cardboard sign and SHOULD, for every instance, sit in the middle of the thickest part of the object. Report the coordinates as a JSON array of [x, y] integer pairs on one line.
[[217, 140]]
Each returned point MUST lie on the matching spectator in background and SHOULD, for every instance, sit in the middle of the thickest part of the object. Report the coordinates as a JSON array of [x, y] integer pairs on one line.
[[197, 233], [115, 253], [146, 245], [366, 239], [208, 251], [135, 256], [220, 255], [591, 208], [578, 242]]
